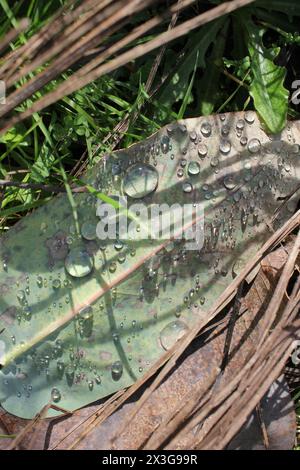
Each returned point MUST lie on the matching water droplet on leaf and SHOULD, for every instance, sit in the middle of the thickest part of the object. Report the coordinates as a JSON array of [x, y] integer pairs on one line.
[[117, 370], [56, 284], [78, 263], [172, 333], [165, 141], [202, 150], [254, 145], [55, 395], [88, 230], [229, 183], [187, 187], [193, 168], [206, 129], [225, 146], [250, 117], [140, 180]]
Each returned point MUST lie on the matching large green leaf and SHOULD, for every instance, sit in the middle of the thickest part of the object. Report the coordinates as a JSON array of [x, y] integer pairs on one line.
[[266, 88], [78, 339]]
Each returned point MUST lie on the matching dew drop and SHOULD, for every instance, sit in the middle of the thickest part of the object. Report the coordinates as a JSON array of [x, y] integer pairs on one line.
[[229, 183], [193, 168], [21, 296], [206, 129], [202, 150], [140, 180], [244, 220], [56, 284], [118, 245], [88, 230], [112, 267], [122, 257], [193, 136], [98, 380], [78, 263], [214, 162], [86, 313], [250, 117], [225, 146], [165, 142], [187, 187], [116, 370], [55, 395], [240, 124], [254, 145], [225, 130], [27, 313], [172, 333]]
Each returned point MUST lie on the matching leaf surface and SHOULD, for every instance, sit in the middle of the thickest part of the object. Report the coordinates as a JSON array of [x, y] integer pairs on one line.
[[78, 339]]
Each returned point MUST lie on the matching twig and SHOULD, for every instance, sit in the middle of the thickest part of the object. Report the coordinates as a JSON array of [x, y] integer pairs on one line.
[[78, 81], [262, 426], [12, 34], [31, 426]]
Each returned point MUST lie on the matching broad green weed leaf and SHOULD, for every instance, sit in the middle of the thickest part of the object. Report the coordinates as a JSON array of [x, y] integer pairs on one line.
[[81, 318], [266, 88]]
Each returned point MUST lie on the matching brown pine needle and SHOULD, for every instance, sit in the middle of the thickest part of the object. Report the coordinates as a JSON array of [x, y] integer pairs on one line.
[[77, 81]]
